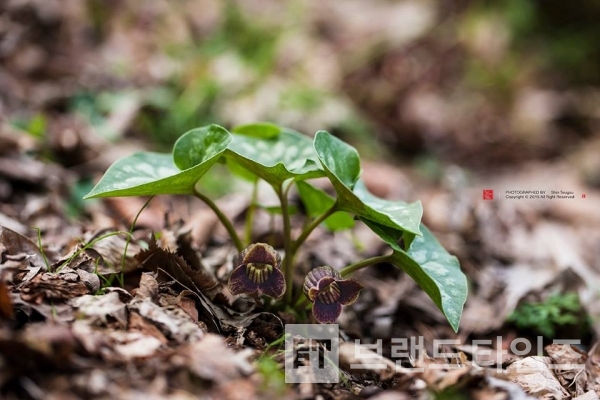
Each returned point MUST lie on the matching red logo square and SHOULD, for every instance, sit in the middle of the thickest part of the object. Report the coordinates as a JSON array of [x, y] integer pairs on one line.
[[488, 194]]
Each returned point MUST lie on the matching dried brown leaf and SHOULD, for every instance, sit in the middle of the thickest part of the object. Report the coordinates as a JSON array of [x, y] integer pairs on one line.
[[155, 257], [211, 359], [172, 321], [592, 367], [98, 308], [568, 363], [140, 324], [535, 376], [187, 250], [6, 306], [63, 285], [170, 266], [134, 344], [17, 244], [148, 286], [356, 358]]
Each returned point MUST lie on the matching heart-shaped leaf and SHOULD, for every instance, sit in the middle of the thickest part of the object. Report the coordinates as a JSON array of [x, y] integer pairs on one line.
[[317, 202], [432, 267], [287, 155], [147, 173], [342, 166], [200, 145]]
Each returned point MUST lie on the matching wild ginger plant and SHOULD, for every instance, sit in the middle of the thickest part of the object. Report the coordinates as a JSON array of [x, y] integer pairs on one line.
[[284, 158]]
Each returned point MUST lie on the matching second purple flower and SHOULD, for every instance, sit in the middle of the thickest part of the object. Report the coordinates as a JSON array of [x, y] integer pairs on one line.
[[328, 291]]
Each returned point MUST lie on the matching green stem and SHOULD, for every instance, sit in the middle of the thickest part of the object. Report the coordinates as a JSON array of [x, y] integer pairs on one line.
[[131, 228], [302, 303], [223, 218], [39, 235], [304, 235], [90, 245], [348, 270], [288, 270], [316, 222], [250, 214]]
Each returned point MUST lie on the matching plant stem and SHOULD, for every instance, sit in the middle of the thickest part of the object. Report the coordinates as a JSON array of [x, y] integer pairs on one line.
[[316, 222], [288, 270], [302, 303], [89, 245], [39, 235], [223, 218], [250, 214], [131, 228], [364, 263]]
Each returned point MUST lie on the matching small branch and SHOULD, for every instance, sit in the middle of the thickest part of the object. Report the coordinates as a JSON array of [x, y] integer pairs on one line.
[[350, 269], [316, 222], [223, 218]]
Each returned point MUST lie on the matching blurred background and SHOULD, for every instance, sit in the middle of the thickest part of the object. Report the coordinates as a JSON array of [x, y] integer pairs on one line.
[[476, 83], [442, 98]]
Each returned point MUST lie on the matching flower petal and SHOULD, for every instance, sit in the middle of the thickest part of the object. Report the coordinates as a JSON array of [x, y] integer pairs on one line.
[[326, 313], [324, 282], [311, 281], [261, 253], [274, 286], [240, 283], [350, 289]]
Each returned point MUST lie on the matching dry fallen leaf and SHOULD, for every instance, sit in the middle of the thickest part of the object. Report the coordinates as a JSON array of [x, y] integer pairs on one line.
[[172, 321], [211, 359], [17, 244], [63, 285], [535, 376], [357, 358], [98, 308], [6, 306], [568, 362]]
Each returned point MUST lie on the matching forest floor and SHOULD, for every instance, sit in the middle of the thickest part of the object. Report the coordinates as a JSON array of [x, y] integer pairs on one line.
[[86, 312]]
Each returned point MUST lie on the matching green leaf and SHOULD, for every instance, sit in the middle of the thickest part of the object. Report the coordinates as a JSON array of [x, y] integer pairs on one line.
[[241, 172], [288, 155], [317, 202], [395, 214], [339, 159], [262, 130], [342, 166], [200, 145], [146, 173], [432, 267]]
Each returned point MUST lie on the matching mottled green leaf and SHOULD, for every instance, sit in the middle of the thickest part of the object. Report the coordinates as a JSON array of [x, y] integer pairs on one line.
[[200, 145], [147, 173], [342, 166], [288, 155], [432, 267]]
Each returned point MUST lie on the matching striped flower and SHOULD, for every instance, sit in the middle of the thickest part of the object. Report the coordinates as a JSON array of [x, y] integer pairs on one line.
[[328, 291], [258, 271]]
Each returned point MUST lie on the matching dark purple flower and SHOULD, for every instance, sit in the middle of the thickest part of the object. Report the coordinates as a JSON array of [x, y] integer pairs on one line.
[[328, 291], [259, 270]]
